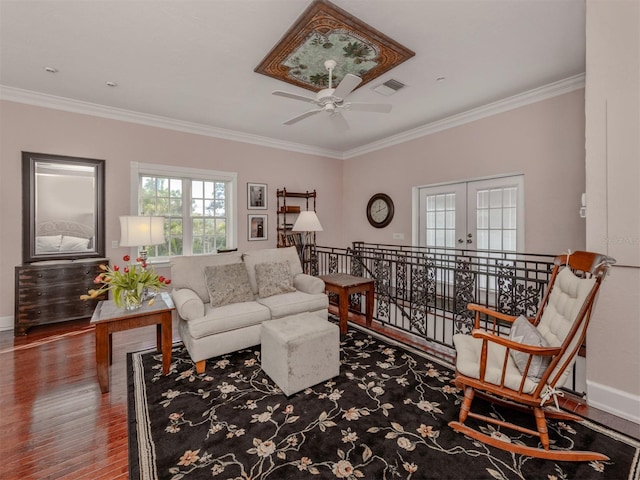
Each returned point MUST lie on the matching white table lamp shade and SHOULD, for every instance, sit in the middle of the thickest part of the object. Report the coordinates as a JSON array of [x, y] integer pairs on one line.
[[138, 231], [307, 221]]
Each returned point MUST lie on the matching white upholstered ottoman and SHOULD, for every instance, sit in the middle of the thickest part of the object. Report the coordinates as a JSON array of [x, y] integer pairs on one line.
[[300, 351]]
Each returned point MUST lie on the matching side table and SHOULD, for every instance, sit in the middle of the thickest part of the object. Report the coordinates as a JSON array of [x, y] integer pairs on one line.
[[344, 285], [108, 318]]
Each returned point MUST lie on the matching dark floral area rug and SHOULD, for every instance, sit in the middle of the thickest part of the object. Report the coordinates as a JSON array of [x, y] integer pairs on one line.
[[384, 417]]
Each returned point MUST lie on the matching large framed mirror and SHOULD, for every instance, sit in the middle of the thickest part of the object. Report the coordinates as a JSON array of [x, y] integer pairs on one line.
[[63, 207]]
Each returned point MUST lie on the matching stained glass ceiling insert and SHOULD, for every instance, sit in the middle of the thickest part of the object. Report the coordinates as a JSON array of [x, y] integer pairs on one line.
[[325, 31]]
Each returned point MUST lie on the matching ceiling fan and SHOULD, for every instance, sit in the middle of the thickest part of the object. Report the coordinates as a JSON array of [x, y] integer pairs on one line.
[[332, 100]]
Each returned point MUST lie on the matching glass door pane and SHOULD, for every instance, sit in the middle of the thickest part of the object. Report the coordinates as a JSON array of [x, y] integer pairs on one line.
[[495, 218], [442, 217]]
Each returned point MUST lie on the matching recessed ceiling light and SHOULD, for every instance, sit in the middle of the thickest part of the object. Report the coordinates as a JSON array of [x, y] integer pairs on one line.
[[51, 69], [111, 84]]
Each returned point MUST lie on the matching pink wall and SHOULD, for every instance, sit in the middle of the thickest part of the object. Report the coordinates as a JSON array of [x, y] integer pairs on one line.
[[613, 202], [35, 129], [544, 141]]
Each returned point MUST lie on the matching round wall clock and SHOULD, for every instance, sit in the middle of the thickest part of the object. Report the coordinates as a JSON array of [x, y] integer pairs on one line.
[[380, 210]]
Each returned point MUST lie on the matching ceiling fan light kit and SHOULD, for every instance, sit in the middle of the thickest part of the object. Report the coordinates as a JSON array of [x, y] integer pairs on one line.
[[331, 99]]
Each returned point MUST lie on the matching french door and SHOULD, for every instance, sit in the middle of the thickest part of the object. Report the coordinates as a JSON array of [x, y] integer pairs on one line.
[[477, 215]]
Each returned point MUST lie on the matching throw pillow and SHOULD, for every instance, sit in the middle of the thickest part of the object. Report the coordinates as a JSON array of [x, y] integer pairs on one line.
[[273, 278], [522, 331], [228, 284]]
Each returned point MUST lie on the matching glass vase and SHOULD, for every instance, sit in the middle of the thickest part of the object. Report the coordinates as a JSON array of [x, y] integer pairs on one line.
[[132, 299]]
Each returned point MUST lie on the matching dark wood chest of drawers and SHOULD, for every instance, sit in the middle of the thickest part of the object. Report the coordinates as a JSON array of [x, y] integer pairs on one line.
[[50, 292]]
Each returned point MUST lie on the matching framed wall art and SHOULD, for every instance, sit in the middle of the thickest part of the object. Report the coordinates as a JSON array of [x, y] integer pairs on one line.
[[257, 227], [257, 196]]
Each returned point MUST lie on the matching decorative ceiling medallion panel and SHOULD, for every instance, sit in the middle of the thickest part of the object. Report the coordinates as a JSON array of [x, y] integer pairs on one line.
[[326, 32]]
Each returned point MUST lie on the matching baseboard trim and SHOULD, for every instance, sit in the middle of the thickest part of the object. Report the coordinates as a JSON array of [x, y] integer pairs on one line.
[[611, 400], [6, 323]]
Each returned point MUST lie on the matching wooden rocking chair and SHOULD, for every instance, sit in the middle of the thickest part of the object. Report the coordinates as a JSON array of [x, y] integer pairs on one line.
[[526, 370]]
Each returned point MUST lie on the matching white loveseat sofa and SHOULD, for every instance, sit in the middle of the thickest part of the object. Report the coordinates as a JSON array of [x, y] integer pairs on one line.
[[220, 313]]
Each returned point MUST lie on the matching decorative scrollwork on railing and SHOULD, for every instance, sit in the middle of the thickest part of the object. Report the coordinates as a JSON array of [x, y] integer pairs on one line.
[[381, 271], [464, 283], [313, 263], [401, 277], [355, 302], [421, 292], [333, 263], [357, 266], [517, 298]]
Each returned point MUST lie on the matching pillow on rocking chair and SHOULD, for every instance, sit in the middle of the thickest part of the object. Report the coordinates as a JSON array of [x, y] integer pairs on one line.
[[522, 331]]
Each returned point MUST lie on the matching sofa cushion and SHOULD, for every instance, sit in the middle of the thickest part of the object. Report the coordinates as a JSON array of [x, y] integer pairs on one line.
[[308, 284], [188, 303], [227, 284], [293, 303], [522, 331], [254, 257], [187, 271], [229, 317], [273, 278]]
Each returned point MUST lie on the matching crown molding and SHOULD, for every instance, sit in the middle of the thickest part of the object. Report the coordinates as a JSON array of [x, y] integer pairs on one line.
[[86, 108], [60, 103], [516, 101]]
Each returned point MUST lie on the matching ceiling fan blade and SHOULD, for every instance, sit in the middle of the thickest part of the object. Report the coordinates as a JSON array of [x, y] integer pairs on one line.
[[294, 96], [347, 85], [369, 107], [339, 122], [293, 120]]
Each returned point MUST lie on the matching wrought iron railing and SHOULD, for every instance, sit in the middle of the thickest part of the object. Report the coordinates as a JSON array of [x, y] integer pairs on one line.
[[424, 292]]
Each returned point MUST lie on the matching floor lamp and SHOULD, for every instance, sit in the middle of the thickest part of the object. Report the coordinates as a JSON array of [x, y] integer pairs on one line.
[[307, 222]]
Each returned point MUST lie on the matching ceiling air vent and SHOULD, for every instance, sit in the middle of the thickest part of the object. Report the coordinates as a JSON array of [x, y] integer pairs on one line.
[[389, 87]]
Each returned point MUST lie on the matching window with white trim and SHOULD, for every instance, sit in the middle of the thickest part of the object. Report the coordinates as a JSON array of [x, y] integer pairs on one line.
[[198, 207]]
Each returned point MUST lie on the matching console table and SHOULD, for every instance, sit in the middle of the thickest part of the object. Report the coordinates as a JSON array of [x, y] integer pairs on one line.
[[344, 285], [49, 292], [108, 318]]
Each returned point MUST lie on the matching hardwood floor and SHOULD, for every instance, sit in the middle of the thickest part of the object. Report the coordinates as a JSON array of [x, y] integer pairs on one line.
[[56, 424]]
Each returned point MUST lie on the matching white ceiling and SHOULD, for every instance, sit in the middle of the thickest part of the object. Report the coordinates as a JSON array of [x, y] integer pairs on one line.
[[193, 61]]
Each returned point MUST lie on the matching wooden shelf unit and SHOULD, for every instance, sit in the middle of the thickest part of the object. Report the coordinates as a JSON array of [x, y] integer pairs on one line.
[[286, 219]]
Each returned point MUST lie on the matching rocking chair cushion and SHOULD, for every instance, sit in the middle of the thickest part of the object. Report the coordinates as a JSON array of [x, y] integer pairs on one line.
[[565, 302], [468, 351], [522, 331]]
